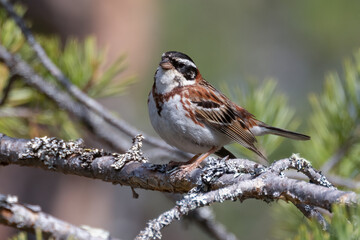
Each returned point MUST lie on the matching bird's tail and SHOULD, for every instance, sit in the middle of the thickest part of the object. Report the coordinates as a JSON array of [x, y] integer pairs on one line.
[[285, 133]]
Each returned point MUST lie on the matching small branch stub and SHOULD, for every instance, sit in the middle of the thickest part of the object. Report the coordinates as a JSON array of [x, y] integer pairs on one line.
[[133, 154]]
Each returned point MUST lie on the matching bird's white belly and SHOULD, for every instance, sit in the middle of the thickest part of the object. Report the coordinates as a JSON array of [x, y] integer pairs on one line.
[[181, 131]]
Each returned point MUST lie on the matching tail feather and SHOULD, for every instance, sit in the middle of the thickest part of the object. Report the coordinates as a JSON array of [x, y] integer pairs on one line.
[[286, 133]]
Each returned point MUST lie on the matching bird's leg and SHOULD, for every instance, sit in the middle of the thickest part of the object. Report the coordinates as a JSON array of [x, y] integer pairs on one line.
[[195, 161]]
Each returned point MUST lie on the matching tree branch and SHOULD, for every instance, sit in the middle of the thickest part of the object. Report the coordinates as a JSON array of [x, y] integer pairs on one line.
[[72, 158], [267, 187], [30, 218], [218, 181]]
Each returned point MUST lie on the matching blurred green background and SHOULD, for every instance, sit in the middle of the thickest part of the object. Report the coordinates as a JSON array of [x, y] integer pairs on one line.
[[234, 44]]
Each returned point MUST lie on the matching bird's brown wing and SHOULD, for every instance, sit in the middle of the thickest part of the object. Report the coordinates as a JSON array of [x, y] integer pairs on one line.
[[223, 117]]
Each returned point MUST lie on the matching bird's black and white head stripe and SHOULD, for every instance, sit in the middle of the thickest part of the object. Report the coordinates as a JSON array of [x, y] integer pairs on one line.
[[182, 63]]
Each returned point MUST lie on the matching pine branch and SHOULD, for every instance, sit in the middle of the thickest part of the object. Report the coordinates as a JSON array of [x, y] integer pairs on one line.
[[62, 99], [339, 154], [95, 123], [72, 158], [30, 218], [75, 92]]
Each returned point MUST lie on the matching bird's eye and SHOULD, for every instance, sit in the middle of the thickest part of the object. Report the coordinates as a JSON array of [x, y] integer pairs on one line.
[[181, 65], [190, 75]]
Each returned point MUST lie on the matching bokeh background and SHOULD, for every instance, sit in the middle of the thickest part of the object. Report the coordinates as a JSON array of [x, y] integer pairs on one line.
[[295, 42]]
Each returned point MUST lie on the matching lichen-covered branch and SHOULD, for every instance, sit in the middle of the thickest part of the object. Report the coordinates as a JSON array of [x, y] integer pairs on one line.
[[30, 218], [267, 187], [73, 158], [300, 164]]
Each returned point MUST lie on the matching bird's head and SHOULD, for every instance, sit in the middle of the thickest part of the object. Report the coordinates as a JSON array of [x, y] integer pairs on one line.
[[175, 69]]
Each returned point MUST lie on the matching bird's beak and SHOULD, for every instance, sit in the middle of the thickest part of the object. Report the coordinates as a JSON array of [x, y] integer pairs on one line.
[[165, 64]]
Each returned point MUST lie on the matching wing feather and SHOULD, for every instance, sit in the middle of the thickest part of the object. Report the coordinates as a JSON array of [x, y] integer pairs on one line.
[[224, 118]]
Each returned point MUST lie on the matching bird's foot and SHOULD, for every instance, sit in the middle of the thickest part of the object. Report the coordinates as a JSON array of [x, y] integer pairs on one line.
[[172, 165], [183, 170]]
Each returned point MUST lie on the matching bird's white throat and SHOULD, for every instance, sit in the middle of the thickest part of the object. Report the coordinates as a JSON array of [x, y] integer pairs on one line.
[[167, 80]]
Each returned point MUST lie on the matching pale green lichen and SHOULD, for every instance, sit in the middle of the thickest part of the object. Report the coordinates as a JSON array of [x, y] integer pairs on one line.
[[134, 153]]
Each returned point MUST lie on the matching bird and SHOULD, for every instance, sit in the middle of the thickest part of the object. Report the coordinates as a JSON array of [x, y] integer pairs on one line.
[[190, 114]]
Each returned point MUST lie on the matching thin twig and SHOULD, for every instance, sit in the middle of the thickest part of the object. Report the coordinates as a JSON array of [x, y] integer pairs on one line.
[[303, 166], [312, 213], [338, 155], [296, 163], [19, 112], [344, 182], [205, 218], [7, 89], [335, 180], [30, 218]]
